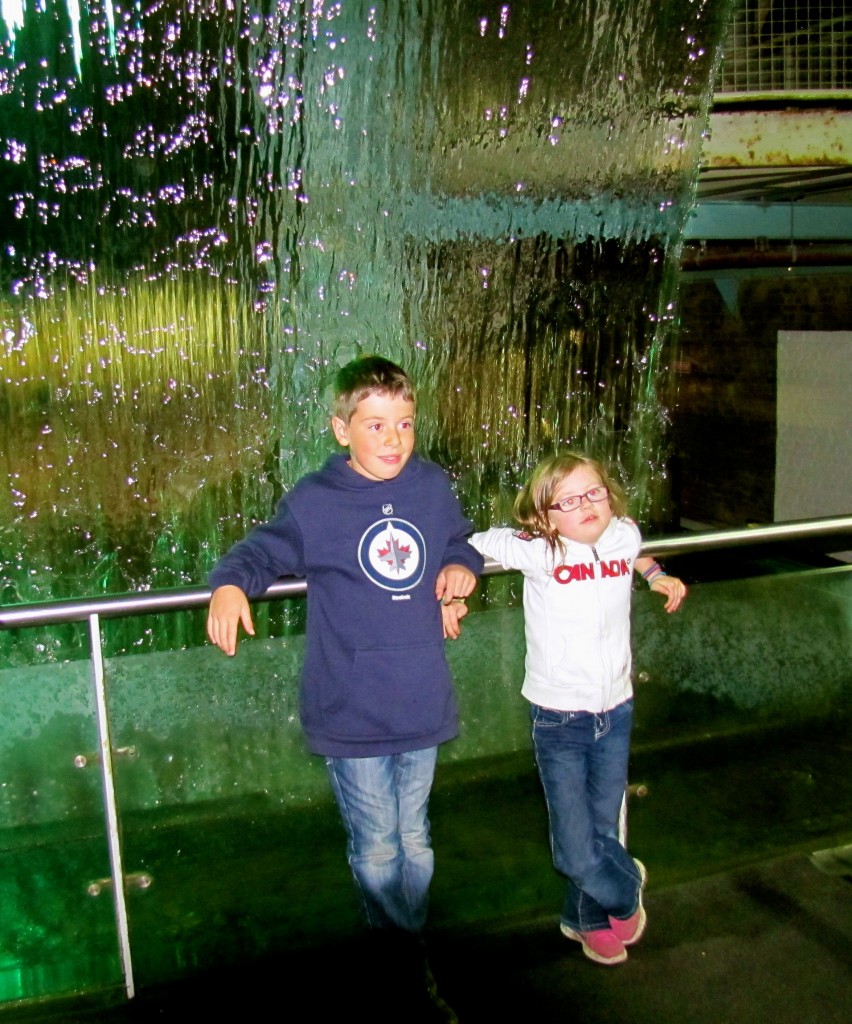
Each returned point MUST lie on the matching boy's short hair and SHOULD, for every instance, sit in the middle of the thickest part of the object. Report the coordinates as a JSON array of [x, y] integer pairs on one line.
[[368, 375]]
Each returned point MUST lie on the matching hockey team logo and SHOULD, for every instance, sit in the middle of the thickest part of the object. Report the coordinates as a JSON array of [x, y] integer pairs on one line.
[[392, 553]]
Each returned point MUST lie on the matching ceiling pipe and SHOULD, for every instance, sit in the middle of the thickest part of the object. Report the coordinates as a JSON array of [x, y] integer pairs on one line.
[[696, 258]]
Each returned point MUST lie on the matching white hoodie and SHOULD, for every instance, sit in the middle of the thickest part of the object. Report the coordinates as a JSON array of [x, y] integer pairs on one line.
[[576, 614]]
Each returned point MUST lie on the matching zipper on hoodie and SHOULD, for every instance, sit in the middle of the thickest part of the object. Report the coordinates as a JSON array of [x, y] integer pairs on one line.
[[604, 653]]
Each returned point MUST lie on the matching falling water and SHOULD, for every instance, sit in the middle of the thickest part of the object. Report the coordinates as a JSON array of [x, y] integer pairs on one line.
[[210, 205]]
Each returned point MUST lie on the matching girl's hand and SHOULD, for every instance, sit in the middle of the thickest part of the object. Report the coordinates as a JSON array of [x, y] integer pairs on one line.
[[452, 614], [674, 589], [454, 581]]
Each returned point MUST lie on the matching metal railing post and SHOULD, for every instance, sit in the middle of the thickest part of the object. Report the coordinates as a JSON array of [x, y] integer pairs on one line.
[[110, 806]]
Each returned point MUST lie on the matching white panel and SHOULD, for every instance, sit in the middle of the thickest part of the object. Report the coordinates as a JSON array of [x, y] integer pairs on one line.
[[814, 432]]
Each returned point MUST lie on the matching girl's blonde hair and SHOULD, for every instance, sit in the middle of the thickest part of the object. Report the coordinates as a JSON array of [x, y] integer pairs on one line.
[[538, 493]]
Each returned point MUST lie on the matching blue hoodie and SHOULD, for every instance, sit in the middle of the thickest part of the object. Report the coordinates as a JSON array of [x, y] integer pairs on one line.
[[375, 678]]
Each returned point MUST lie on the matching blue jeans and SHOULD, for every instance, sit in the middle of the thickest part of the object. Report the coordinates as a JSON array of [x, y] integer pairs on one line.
[[582, 760], [384, 805]]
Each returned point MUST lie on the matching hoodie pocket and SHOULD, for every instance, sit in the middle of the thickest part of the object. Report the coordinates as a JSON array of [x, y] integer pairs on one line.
[[395, 692]]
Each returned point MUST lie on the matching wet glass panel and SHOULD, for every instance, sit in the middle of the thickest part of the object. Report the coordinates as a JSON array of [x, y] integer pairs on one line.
[[57, 921], [742, 733]]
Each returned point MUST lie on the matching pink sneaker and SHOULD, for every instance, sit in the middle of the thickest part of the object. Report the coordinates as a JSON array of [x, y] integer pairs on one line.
[[632, 928], [602, 945]]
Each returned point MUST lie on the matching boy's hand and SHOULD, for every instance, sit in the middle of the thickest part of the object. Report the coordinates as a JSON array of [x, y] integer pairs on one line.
[[454, 581], [229, 608], [452, 614], [673, 588]]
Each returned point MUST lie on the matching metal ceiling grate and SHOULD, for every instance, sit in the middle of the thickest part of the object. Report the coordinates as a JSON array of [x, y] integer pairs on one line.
[[784, 47]]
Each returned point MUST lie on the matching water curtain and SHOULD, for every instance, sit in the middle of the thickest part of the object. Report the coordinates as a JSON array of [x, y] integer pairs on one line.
[[210, 205]]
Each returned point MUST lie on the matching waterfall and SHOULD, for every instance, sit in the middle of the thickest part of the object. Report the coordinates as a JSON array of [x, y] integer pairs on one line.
[[210, 205]]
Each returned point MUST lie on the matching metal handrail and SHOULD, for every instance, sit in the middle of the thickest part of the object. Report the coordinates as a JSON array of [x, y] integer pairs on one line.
[[186, 598], [799, 529]]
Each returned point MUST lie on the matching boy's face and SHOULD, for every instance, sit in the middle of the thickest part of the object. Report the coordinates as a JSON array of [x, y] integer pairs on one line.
[[380, 436], [586, 523]]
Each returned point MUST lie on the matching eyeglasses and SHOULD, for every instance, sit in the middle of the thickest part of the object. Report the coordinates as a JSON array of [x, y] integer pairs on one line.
[[576, 500]]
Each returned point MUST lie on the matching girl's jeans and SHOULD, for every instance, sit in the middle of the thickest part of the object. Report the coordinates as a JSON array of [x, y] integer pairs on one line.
[[384, 804], [582, 760]]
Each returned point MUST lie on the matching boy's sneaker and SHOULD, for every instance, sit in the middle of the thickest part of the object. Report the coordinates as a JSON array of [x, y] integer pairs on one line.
[[632, 929], [602, 945]]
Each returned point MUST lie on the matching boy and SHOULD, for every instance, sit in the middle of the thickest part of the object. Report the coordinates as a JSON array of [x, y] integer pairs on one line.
[[382, 541]]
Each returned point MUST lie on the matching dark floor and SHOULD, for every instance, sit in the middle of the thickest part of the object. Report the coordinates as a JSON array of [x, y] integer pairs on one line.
[[767, 943], [746, 923]]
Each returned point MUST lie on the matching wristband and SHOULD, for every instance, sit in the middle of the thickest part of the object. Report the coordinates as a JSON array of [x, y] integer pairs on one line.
[[652, 572]]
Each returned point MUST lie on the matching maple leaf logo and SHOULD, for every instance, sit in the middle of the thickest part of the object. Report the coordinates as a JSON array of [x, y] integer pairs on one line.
[[392, 553], [395, 555]]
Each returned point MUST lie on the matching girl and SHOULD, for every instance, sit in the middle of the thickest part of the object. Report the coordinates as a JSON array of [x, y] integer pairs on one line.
[[578, 551]]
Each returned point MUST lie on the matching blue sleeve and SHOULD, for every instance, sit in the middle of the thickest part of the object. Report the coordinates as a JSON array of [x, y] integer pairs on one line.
[[270, 550], [458, 551]]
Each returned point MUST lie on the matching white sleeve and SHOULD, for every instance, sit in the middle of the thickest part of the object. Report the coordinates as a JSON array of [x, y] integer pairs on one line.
[[510, 550]]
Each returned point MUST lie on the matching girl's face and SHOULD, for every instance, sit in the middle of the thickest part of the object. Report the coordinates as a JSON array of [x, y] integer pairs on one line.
[[586, 523]]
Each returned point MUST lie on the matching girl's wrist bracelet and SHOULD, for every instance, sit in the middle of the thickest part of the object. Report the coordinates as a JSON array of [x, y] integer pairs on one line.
[[652, 572]]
